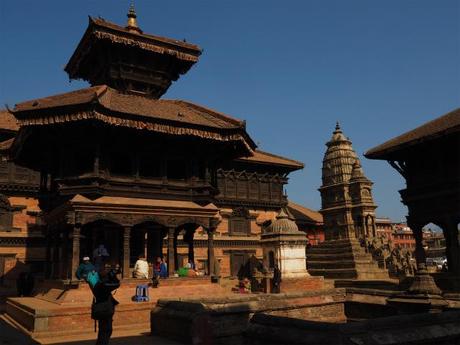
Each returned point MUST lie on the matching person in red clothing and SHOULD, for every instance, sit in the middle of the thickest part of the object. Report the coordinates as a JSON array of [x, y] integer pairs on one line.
[[157, 267]]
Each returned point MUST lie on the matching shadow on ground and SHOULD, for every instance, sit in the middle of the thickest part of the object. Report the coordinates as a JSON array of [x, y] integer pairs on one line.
[[144, 339], [11, 336]]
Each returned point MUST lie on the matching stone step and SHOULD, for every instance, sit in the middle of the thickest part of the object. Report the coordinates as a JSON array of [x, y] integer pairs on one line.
[[327, 264], [341, 273], [332, 250], [338, 256], [338, 243]]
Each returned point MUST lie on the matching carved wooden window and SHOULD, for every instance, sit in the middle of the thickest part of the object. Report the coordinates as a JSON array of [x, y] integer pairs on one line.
[[177, 169], [20, 173], [121, 163], [239, 222], [231, 188], [4, 168], [253, 189], [149, 166], [277, 190], [264, 190], [6, 214], [242, 189], [221, 185], [83, 161]]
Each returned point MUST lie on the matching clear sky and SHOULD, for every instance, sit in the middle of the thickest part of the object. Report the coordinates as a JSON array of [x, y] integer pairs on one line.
[[290, 68]]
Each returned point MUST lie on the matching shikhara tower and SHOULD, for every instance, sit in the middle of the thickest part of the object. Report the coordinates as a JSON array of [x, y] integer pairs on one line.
[[346, 193]]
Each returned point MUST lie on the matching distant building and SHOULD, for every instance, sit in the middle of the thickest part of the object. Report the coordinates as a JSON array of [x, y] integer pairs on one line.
[[308, 221]]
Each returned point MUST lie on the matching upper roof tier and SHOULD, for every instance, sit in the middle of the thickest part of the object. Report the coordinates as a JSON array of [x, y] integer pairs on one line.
[[128, 60], [104, 104], [393, 148], [266, 158]]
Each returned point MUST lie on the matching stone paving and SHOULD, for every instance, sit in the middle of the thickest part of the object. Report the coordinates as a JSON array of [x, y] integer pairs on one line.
[[12, 336]]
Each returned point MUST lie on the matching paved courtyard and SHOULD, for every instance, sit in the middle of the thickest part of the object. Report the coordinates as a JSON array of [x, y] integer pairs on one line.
[[11, 336]]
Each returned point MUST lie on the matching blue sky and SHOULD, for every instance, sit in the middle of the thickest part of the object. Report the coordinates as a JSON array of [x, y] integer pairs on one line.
[[290, 68]]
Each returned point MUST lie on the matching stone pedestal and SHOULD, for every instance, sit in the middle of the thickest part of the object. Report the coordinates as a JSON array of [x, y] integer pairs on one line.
[[422, 296]]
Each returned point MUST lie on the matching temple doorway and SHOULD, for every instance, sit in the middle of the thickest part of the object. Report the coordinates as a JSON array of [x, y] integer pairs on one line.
[[102, 238], [147, 240]]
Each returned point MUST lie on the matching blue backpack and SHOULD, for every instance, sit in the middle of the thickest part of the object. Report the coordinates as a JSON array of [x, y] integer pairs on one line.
[[92, 278]]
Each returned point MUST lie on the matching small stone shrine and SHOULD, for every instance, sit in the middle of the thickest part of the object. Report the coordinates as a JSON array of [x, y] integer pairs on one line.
[[284, 245]]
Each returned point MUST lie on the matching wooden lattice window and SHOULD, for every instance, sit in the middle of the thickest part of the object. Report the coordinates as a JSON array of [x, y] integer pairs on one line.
[[239, 222], [6, 214]]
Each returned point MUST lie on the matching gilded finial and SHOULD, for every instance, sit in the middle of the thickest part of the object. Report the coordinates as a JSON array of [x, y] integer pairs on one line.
[[132, 20]]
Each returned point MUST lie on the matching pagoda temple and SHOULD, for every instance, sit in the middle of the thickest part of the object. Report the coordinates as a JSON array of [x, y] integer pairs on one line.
[[118, 165]]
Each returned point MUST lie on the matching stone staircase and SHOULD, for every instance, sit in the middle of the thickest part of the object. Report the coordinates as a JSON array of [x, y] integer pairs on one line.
[[343, 259]]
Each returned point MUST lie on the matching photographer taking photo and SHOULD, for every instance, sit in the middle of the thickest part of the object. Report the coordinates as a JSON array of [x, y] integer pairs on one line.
[[104, 304]]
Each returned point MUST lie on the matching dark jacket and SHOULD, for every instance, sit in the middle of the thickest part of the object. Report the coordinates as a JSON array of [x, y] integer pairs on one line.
[[102, 291]]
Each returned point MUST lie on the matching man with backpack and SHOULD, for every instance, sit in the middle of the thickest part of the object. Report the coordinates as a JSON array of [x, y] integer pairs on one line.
[[103, 306]]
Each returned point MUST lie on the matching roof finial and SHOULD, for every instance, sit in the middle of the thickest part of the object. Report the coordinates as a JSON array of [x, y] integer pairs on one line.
[[132, 20], [337, 128]]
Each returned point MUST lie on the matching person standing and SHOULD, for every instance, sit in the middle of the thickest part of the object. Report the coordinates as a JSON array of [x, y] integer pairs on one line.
[[276, 279], [100, 254], [104, 304], [163, 269]]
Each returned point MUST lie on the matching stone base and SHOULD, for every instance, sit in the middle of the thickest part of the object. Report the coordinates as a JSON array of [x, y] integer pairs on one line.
[[417, 329], [223, 320], [343, 259], [414, 304], [289, 285], [56, 311]]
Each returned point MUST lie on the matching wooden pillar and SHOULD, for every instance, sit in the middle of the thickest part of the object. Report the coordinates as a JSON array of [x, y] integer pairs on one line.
[[171, 266], [176, 260], [75, 260], [49, 243], [452, 246], [126, 251], [146, 243], [211, 251], [191, 250]]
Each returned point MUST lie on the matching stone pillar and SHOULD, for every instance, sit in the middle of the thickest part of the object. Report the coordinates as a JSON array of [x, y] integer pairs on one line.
[[171, 265], [211, 251], [126, 251], [419, 251], [75, 261]]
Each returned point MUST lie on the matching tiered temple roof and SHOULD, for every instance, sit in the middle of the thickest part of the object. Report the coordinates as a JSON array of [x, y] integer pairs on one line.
[[129, 60], [339, 159], [102, 103]]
